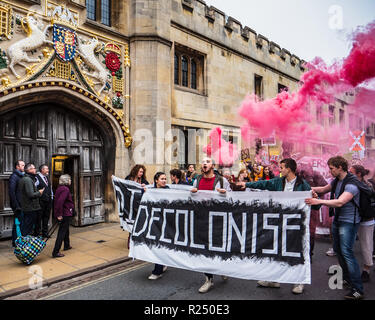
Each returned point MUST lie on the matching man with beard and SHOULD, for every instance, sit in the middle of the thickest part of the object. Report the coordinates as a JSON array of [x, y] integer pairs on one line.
[[29, 199], [343, 204], [208, 180]]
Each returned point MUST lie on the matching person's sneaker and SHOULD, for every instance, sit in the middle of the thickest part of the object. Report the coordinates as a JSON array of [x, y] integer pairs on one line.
[[298, 289], [354, 295], [154, 276], [330, 252], [206, 286], [365, 276], [268, 284], [165, 268], [225, 278]]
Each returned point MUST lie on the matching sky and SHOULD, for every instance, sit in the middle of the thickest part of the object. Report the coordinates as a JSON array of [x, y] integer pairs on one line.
[[307, 28]]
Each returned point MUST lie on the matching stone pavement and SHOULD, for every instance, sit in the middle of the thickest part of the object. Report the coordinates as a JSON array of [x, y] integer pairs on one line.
[[94, 247]]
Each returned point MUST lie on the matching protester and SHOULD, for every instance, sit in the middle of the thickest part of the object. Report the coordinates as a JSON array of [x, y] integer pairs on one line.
[[45, 201], [63, 211], [366, 228], [29, 200], [289, 182], [138, 174], [191, 174], [160, 181], [242, 176], [208, 180], [267, 174], [176, 177], [346, 221], [15, 196], [314, 179], [257, 172]]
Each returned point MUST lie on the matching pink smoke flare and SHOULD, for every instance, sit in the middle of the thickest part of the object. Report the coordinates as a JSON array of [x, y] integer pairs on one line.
[[224, 153]]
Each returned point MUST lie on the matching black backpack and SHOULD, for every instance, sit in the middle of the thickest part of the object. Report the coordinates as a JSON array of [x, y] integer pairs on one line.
[[366, 207]]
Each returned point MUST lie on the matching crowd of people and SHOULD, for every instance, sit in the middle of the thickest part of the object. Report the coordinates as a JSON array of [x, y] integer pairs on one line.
[[343, 203], [32, 200]]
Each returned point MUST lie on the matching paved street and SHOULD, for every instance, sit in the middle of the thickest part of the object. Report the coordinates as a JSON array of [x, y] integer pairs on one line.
[[178, 284]]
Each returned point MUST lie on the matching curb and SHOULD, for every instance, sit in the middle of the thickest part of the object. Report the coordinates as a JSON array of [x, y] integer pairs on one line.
[[49, 282]]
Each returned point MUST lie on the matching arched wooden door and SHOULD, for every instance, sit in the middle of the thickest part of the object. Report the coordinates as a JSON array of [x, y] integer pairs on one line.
[[42, 133]]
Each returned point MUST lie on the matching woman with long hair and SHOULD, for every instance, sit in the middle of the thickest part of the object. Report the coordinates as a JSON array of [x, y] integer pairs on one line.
[[160, 181], [267, 173], [138, 174], [366, 228]]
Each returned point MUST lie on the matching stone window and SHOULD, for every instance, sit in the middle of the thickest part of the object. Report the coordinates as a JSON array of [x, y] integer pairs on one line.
[[99, 10], [258, 86], [106, 12], [184, 69], [281, 87], [188, 69], [176, 69], [331, 115], [91, 9], [193, 73], [342, 117]]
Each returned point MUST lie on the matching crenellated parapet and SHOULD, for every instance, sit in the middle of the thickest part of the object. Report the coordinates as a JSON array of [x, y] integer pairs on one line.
[[210, 22]]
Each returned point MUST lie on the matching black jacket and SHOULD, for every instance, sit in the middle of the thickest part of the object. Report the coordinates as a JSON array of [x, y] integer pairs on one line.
[[47, 194], [14, 192]]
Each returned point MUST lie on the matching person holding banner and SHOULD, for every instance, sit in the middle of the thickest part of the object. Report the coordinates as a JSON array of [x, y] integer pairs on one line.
[[344, 192], [138, 174], [289, 182], [160, 181], [208, 180]]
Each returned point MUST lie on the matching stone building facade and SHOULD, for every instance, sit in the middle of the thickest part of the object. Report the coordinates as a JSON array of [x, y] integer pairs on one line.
[[93, 87]]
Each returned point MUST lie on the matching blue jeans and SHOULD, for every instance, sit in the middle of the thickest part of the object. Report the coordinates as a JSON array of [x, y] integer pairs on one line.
[[344, 235]]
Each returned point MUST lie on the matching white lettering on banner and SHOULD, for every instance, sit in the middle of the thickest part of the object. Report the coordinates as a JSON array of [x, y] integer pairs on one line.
[[212, 214], [120, 198], [287, 227], [267, 216], [192, 244], [136, 234], [162, 237], [186, 214], [254, 234], [131, 203], [241, 236], [149, 236]]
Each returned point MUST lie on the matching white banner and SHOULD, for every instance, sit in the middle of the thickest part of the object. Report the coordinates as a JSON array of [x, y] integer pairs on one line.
[[247, 235]]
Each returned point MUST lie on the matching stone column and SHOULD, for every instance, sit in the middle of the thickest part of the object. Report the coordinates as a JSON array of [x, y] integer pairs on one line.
[[150, 80]]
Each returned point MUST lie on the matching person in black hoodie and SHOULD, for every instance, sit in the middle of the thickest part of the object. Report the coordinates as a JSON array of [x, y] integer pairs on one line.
[[160, 181], [29, 199], [15, 195]]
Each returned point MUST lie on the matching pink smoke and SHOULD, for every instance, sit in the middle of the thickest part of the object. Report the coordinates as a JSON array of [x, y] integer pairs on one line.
[[224, 153], [359, 66], [288, 113]]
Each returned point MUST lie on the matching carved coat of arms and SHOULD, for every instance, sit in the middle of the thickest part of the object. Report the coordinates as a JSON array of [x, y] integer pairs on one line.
[[64, 42]]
